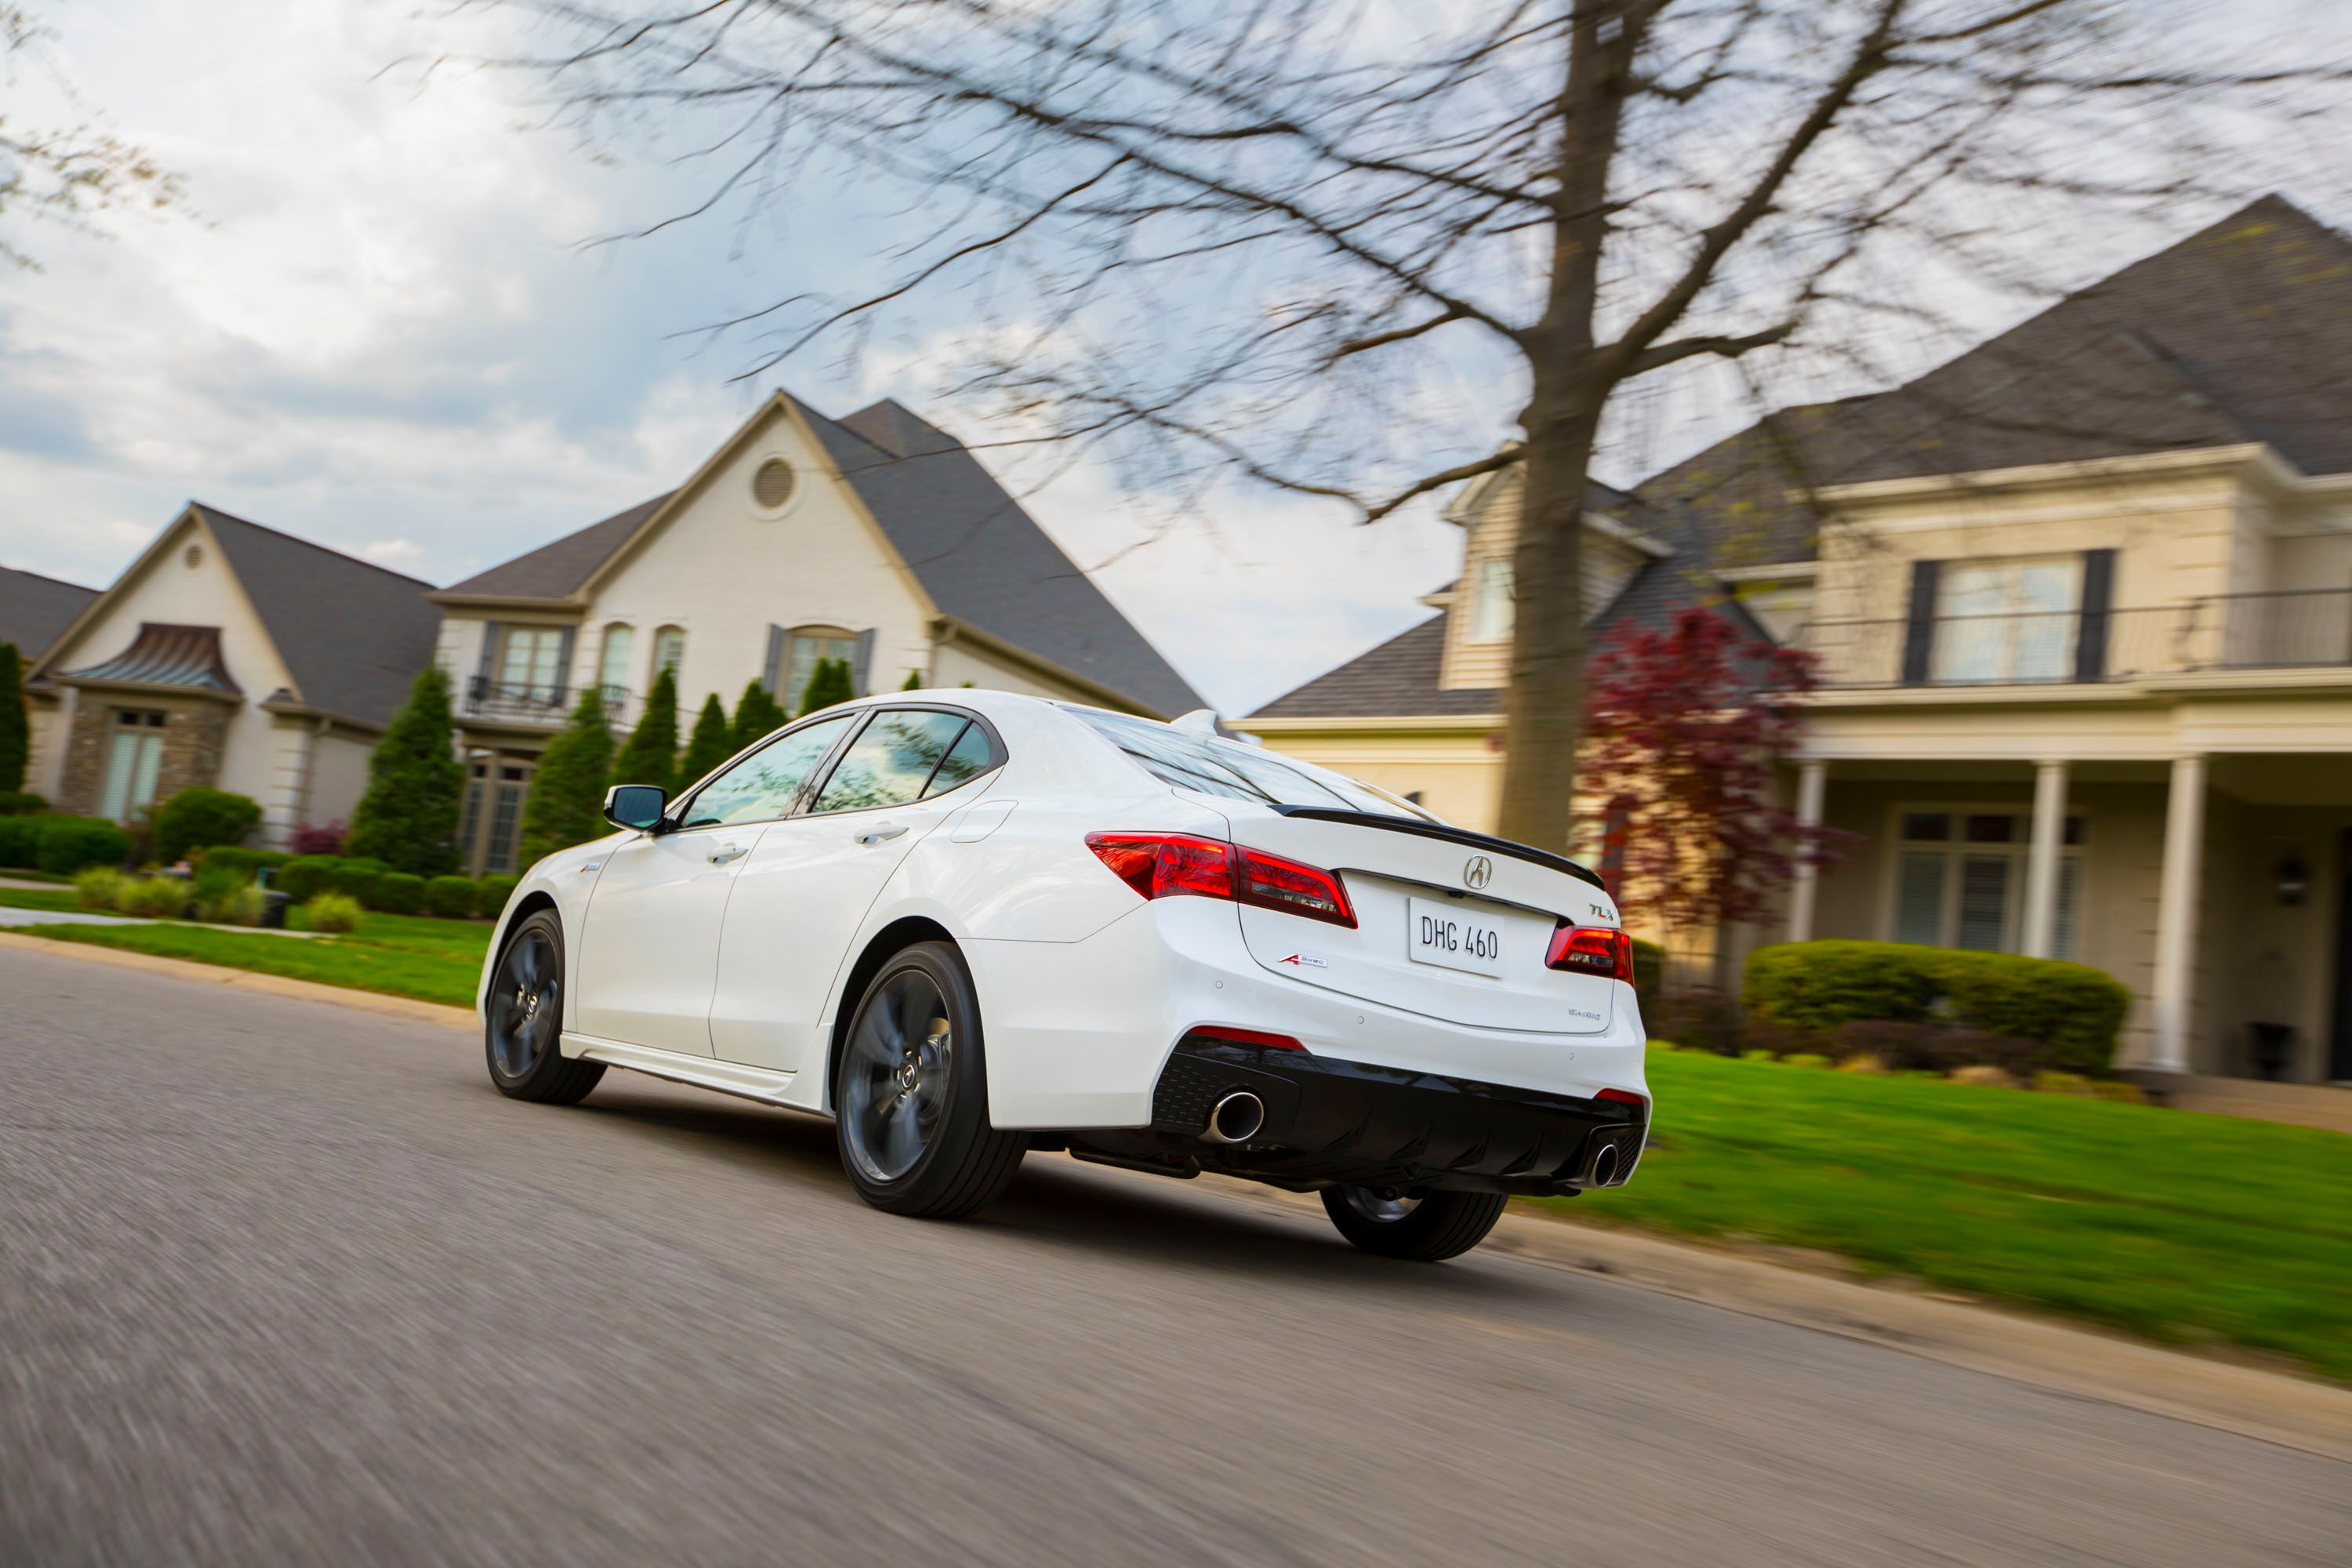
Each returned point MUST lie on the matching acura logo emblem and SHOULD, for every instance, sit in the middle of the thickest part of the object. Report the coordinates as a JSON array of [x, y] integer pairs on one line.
[[1478, 873]]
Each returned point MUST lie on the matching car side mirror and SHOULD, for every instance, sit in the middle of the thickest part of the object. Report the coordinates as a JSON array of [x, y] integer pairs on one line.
[[638, 806]]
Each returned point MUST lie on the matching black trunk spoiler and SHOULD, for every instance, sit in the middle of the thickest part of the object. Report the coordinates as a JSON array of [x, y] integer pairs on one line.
[[1451, 835]]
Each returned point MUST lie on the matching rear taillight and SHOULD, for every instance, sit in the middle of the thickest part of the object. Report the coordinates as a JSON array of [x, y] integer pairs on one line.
[[1168, 865], [1602, 952]]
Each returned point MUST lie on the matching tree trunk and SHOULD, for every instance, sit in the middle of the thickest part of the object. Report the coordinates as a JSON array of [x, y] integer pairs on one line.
[[1543, 711]]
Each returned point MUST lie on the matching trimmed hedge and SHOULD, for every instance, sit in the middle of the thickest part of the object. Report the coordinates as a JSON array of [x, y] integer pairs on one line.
[[199, 818], [452, 898], [356, 878], [1815, 986], [305, 876], [1649, 974], [20, 841], [495, 891], [233, 857], [399, 893], [64, 845], [20, 802]]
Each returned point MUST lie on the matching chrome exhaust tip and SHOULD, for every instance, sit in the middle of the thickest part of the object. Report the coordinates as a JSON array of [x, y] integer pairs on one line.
[[1235, 1118], [1604, 1165]]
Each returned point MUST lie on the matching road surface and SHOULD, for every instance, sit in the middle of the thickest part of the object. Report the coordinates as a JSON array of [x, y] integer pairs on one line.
[[281, 1281]]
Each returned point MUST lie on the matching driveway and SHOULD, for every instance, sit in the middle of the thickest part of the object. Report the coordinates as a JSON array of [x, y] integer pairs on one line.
[[281, 1281]]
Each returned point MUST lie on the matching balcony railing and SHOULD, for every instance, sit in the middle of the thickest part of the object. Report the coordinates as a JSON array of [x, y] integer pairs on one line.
[[531, 704], [2297, 628]]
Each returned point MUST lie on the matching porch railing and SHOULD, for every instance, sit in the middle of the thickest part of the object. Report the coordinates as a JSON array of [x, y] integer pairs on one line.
[[534, 704], [2296, 628]]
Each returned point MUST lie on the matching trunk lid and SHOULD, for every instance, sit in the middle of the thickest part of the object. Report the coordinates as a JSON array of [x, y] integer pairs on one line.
[[1430, 902]]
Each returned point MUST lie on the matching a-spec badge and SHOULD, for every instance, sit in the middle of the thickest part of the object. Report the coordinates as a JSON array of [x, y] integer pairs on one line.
[[1478, 873], [1304, 962]]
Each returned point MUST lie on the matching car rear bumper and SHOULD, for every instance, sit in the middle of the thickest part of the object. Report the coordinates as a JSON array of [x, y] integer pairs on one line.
[[1332, 1120]]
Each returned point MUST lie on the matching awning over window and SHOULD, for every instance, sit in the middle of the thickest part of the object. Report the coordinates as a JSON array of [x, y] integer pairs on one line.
[[164, 655]]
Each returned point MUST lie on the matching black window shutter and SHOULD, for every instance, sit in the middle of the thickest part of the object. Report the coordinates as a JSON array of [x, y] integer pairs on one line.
[[2098, 595], [1919, 634], [771, 669], [487, 666]]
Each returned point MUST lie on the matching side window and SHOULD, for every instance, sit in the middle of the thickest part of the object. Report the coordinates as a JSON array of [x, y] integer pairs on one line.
[[763, 785], [969, 757], [891, 761]]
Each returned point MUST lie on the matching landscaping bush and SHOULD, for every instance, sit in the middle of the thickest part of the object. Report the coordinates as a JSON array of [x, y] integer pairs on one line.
[[1937, 1049], [332, 912], [98, 888], [197, 818], [314, 840], [226, 895], [157, 897], [453, 898], [66, 844], [1649, 974], [1696, 1021], [20, 802], [20, 842], [398, 893], [495, 891], [231, 858], [2070, 1011], [305, 876], [357, 879]]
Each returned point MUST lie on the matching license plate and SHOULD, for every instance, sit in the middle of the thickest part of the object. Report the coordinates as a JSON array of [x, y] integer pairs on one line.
[[1444, 933]]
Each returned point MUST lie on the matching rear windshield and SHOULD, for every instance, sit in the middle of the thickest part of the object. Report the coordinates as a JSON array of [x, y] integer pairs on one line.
[[1213, 766]]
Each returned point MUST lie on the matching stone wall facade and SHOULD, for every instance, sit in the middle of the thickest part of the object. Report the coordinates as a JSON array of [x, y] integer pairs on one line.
[[195, 731]]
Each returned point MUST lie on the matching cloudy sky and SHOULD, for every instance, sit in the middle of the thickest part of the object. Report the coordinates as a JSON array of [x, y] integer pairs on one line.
[[382, 329]]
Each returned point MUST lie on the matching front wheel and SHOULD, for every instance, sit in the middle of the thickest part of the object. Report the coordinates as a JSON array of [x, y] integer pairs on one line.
[[1428, 1229], [523, 1014], [910, 1092]]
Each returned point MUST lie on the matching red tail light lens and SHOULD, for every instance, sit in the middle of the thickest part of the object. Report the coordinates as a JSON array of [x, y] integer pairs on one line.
[[1166, 865], [1602, 952]]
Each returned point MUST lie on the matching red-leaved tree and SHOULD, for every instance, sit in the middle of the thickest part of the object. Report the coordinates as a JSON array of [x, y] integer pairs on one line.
[[1688, 728]]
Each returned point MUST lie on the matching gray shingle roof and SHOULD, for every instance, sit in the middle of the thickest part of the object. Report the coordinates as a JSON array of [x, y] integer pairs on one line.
[[1399, 677], [556, 570], [352, 634], [33, 609]]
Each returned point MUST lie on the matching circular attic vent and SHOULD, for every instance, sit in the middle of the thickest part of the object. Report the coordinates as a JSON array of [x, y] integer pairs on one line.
[[771, 486]]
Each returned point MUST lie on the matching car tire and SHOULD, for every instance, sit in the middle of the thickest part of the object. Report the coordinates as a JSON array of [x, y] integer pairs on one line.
[[523, 1016], [910, 1092], [1439, 1227]]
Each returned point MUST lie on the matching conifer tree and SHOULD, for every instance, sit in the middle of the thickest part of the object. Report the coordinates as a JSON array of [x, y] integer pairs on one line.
[[828, 683], [650, 754], [15, 730], [757, 714], [713, 742], [567, 793], [914, 681], [408, 817]]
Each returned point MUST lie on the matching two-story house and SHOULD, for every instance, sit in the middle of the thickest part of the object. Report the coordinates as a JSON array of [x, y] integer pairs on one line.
[[876, 539], [2081, 604], [231, 656]]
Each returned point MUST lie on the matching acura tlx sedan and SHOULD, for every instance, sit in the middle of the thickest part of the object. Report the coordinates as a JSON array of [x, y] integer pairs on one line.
[[968, 924]]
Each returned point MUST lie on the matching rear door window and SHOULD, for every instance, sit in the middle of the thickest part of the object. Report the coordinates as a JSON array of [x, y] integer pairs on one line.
[[891, 761]]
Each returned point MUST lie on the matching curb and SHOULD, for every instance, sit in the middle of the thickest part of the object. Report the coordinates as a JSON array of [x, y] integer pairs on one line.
[[2292, 1411], [404, 1007]]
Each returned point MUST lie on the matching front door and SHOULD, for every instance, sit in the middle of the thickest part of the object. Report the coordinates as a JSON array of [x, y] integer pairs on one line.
[[651, 944], [805, 889], [2340, 1057]]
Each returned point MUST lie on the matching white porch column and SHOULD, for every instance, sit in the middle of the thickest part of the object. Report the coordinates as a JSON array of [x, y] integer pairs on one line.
[[2175, 915], [1812, 780], [2042, 868]]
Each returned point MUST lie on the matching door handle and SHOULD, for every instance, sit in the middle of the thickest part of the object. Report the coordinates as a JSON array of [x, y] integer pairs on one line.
[[724, 853], [878, 833]]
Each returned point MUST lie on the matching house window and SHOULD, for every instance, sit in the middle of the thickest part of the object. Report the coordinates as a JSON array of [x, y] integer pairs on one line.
[[612, 663], [491, 826], [1959, 880], [2001, 621], [669, 649], [134, 756], [528, 663], [1490, 600], [809, 645]]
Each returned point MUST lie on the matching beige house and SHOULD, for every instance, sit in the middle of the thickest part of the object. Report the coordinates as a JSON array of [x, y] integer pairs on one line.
[[2082, 600], [231, 656], [875, 539]]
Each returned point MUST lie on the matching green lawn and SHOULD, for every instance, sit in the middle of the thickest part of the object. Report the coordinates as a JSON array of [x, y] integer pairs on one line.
[[401, 955], [2189, 1228]]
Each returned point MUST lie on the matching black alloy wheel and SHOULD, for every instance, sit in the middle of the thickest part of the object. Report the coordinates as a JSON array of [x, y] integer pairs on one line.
[[524, 1018]]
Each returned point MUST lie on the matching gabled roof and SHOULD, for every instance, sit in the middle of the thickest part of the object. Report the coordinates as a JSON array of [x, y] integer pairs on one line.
[[352, 633], [33, 609], [1396, 678], [166, 654], [980, 558], [557, 571]]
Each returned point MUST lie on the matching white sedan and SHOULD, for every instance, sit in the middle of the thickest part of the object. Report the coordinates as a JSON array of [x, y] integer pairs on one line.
[[966, 924]]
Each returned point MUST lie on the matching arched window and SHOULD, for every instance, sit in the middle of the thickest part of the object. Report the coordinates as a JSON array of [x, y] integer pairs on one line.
[[669, 649], [613, 665], [808, 645]]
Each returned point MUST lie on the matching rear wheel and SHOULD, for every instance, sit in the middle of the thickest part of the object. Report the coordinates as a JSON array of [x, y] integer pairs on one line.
[[910, 1092], [1427, 1229], [524, 1014]]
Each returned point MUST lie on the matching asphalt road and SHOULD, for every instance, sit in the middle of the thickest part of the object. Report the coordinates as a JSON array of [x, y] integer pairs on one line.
[[283, 1282]]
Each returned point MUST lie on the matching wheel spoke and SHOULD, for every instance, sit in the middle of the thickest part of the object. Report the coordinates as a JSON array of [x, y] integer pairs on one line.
[[875, 1041], [902, 1139]]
